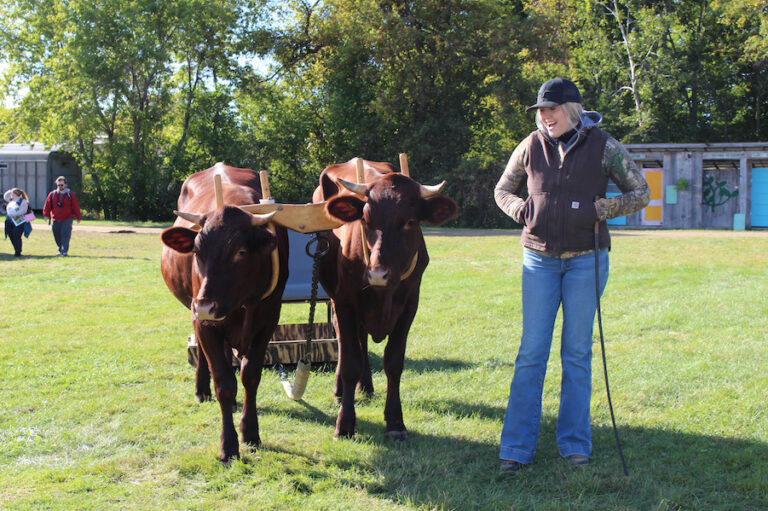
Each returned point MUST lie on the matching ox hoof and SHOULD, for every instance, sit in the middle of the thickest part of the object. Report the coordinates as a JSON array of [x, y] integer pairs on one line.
[[226, 461], [202, 398], [397, 436], [340, 436], [253, 443]]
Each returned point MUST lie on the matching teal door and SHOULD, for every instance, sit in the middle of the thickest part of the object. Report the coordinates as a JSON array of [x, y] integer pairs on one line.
[[759, 197]]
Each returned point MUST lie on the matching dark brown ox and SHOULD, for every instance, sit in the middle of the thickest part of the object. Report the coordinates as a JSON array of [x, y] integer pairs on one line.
[[375, 289], [223, 274]]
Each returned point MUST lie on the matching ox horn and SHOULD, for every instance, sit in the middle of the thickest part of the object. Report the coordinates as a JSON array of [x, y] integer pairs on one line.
[[260, 220], [189, 217], [431, 191], [359, 189]]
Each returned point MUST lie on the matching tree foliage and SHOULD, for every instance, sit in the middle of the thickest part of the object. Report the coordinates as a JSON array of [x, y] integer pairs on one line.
[[665, 71], [145, 92], [120, 84]]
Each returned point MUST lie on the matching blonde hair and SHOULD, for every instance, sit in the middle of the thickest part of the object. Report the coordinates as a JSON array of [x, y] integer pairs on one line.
[[572, 111]]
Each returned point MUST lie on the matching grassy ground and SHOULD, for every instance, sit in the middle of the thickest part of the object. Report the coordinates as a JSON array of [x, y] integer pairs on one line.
[[97, 408]]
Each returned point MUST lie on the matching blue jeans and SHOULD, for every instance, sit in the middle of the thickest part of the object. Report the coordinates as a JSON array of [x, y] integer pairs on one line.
[[62, 232], [549, 282]]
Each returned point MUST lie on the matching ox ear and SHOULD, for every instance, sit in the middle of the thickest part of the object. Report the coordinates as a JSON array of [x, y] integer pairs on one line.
[[328, 186], [179, 239], [346, 208], [438, 210]]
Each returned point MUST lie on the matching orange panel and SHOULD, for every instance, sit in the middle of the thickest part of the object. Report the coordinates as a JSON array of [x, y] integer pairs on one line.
[[653, 213], [654, 178]]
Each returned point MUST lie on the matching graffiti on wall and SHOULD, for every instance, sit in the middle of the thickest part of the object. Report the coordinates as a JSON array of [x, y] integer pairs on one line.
[[715, 193]]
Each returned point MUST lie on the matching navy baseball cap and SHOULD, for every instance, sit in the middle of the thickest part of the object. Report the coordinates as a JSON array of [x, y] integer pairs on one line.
[[556, 92]]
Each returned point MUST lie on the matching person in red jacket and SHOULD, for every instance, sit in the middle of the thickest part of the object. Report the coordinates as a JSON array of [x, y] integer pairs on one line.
[[61, 207]]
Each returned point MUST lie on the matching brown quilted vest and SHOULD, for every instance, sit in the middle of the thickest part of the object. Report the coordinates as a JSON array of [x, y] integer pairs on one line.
[[560, 211]]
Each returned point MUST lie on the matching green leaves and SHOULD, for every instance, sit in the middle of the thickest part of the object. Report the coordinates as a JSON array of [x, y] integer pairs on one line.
[[126, 77], [146, 92], [665, 71]]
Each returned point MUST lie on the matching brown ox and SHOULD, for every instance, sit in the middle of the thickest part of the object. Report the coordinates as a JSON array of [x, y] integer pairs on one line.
[[375, 289], [223, 274]]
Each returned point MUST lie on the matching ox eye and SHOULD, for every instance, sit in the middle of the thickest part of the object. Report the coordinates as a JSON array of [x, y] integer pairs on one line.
[[241, 253], [410, 223]]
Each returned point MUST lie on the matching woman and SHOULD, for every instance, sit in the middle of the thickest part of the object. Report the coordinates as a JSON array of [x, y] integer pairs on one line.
[[566, 165], [17, 207]]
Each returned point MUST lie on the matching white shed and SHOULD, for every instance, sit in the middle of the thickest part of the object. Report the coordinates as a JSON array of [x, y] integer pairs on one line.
[[33, 168]]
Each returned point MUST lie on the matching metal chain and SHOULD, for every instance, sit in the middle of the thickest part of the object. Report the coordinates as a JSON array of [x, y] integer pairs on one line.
[[323, 245]]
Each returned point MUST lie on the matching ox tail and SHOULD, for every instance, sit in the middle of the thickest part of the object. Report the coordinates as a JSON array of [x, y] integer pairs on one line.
[[296, 389]]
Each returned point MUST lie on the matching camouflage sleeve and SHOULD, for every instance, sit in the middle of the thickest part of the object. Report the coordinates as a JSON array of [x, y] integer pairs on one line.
[[619, 167], [512, 182]]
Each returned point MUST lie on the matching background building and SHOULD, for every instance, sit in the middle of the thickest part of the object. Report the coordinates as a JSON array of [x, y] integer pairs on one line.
[[33, 168], [702, 186]]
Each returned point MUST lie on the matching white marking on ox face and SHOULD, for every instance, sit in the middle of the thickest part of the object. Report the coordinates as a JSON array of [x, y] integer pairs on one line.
[[203, 311], [378, 277]]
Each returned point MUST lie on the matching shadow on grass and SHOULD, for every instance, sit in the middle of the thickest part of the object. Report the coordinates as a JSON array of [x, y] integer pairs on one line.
[[308, 413], [461, 410], [424, 365], [667, 469]]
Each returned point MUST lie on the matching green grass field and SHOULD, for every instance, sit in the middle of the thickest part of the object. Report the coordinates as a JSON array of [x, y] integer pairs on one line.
[[97, 408]]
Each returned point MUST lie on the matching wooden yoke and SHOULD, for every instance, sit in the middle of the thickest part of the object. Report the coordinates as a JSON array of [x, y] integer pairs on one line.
[[404, 165], [266, 197], [218, 190], [266, 194], [360, 171], [297, 217]]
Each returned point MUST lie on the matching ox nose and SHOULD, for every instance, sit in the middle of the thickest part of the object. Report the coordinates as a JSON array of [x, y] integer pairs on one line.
[[205, 310], [378, 276]]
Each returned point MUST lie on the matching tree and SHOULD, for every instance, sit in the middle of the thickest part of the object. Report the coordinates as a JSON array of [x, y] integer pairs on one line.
[[434, 79], [750, 18], [662, 70], [115, 82], [145, 92]]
